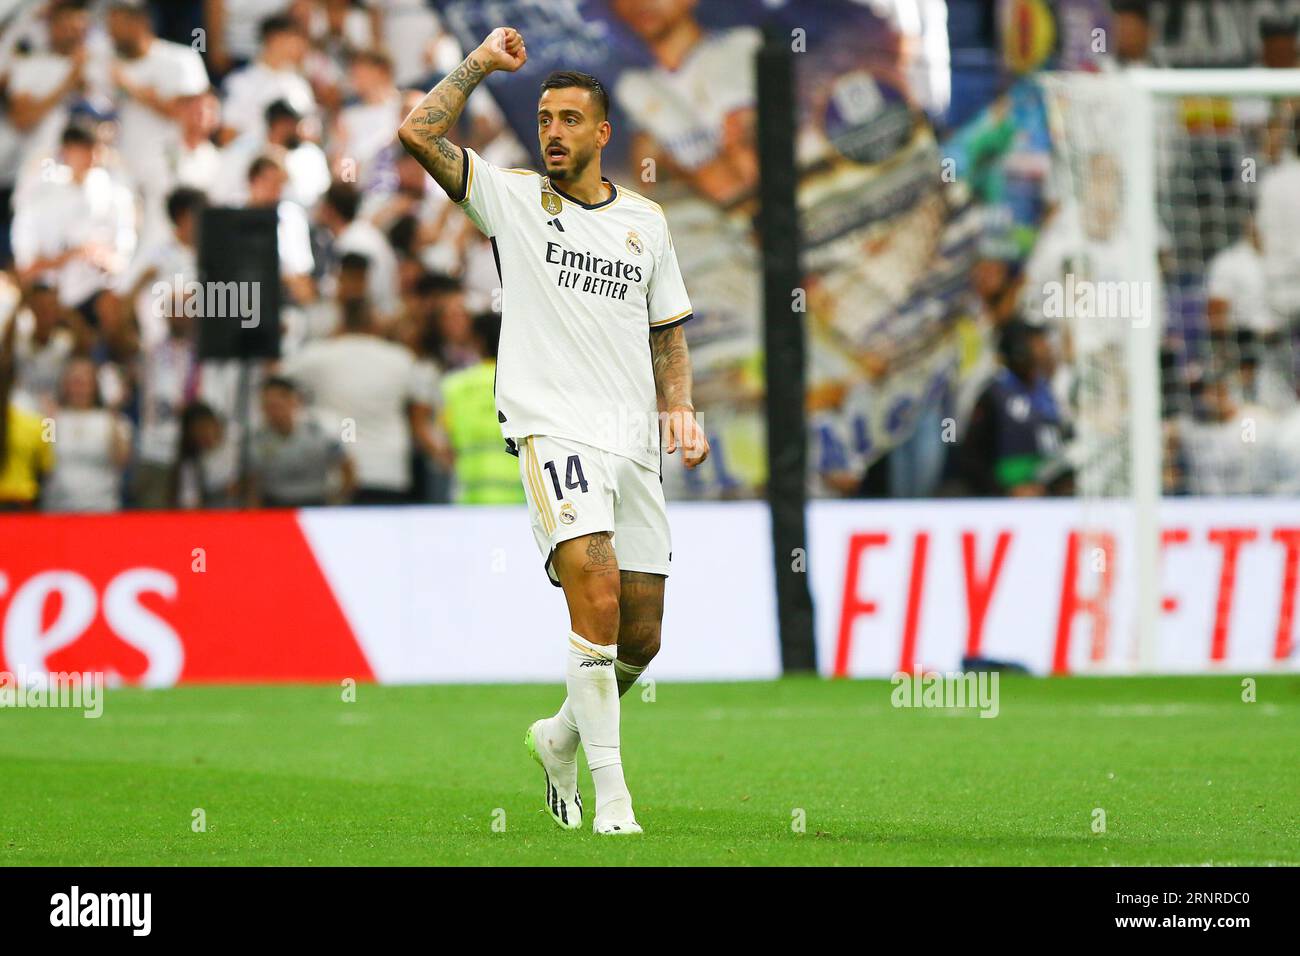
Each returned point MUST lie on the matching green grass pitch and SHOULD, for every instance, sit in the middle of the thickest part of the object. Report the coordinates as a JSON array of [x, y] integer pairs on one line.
[[1185, 772]]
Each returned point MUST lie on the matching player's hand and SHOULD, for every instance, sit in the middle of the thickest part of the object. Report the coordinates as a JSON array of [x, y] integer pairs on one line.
[[504, 50], [685, 432]]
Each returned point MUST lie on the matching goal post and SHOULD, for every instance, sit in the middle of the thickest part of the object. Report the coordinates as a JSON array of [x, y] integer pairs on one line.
[[1155, 175]]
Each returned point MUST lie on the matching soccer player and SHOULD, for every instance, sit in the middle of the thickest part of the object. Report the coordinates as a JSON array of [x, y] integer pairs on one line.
[[592, 352]]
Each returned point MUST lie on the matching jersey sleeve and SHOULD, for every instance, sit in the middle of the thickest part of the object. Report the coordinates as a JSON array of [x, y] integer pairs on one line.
[[668, 303], [485, 193]]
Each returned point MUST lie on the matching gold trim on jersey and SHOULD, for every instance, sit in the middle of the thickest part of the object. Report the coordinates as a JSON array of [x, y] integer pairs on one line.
[[673, 318]]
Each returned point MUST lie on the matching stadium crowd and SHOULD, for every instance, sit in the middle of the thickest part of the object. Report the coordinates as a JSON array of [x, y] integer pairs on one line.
[[114, 139]]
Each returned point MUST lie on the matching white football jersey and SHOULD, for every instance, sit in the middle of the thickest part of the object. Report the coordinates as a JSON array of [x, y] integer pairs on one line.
[[582, 286]]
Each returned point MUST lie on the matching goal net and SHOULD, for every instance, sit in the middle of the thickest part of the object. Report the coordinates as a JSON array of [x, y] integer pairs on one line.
[[1169, 273]]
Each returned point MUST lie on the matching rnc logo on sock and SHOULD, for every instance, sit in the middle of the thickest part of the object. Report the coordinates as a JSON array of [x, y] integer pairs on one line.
[[603, 662]]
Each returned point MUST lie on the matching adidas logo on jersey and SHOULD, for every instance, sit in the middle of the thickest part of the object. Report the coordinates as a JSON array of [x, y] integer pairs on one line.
[[556, 223]]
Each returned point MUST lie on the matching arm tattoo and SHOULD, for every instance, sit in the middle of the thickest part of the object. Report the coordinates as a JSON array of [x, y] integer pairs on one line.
[[672, 366], [423, 133]]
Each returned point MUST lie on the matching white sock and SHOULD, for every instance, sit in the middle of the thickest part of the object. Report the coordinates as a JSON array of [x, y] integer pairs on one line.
[[562, 729], [562, 732], [593, 699]]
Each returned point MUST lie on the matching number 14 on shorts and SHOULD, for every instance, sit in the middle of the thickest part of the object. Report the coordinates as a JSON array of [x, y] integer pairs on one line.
[[573, 476]]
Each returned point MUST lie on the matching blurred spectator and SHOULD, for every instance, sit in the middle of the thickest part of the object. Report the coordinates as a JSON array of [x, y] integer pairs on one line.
[[304, 162], [94, 444], [1014, 442], [1277, 211], [166, 377], [448, 330], [75, 229], [364, 128], [294, 460], [170, 260], [232, 28], [153, 78], [275, 75], [369, 391], [1130, 35], [1277, 42], [1220, 444], [483, 475], [195, 483], [338, 214], [266, 182], [44, 87], [44, 341], [26, 454]]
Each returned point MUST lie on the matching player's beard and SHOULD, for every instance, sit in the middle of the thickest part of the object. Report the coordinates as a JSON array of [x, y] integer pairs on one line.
[[576, 167]]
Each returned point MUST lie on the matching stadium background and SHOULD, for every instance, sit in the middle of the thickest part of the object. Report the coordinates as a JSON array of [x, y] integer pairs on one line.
[[925, 180]]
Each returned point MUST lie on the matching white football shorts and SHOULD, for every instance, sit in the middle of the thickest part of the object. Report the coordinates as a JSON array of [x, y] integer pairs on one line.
[[574, 489]]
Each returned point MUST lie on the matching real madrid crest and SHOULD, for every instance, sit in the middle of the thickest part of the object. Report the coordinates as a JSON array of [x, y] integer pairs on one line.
[[568, 514], [634, 243]]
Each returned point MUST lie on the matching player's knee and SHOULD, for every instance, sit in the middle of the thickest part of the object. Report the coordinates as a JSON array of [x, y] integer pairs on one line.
[[638, 644], [600, 614]]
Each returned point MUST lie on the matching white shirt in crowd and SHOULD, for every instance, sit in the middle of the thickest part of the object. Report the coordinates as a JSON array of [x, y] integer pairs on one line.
[[58, 214], [1219, 459], [40, 74], [243, 24], [145, 137], [164, 262], [86, 477], [38, 368], [366, 129], [1277, 212], [293, 236], [306, 168], [364, 238], [1238, 277], [248, 92], [167, 377], [361, 385]]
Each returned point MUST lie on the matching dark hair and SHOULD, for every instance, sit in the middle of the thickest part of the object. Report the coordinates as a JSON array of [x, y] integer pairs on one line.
[[75, 135], [67, 6], [261, 165], [183, 200], [279, 381], [280, 109], [1014, 341], [566, 79], [432, 283], [279, 23], [344, 199], [353, 262], [193, 414], [374, 57], [487, 329], [1139, 8]]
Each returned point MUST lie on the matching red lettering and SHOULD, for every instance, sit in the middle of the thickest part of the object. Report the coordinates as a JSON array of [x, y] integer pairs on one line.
[[1231, 540], [1284, 644], [1168, 538], [1096, 606], [852, 605], [980, 593], [915, 588]]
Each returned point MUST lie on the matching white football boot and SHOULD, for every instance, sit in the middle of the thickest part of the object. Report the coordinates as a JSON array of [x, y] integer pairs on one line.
[[563, 802]]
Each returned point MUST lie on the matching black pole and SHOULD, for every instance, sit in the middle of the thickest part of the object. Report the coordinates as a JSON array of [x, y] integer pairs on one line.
[[783, 346]]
